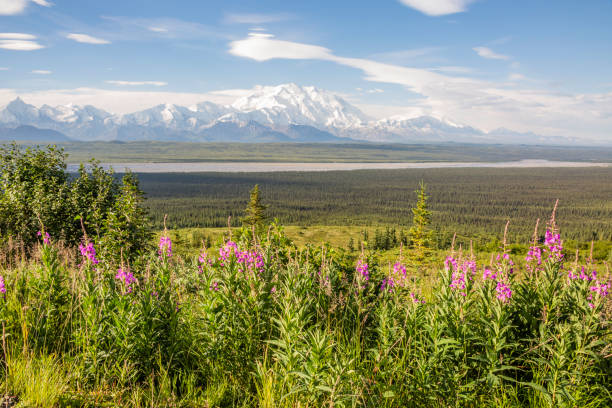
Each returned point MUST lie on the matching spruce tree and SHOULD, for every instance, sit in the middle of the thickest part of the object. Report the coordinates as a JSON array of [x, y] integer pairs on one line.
[[419, 232], [255, 210]]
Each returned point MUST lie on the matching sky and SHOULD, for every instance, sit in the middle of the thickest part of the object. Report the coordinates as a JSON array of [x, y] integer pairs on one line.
[[531, 66]]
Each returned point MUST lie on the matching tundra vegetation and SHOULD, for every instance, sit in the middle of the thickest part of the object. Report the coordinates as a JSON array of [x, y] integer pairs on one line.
[[94, 314]]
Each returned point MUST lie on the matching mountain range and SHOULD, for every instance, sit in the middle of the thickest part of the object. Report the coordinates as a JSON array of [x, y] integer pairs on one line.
[[283, 113]]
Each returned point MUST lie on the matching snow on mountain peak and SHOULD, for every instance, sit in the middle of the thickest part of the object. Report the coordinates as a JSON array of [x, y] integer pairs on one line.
[[288, 104]]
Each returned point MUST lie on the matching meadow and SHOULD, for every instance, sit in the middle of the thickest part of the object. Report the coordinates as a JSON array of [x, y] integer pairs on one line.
[[261, 322], [98, 309]]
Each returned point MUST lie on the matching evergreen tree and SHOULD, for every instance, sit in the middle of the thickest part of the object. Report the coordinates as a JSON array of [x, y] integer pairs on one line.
[[419, 232], [255, 210]]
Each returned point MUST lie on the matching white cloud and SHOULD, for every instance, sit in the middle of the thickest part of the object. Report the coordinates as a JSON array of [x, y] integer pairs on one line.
[[453, 69], [254, 18], [438, 7], [17, 36], [516, 77], [137, 83], [374, 91], [483, 104], [87, 39], [158, 29], [488, 53], [12, 7], [4, 69], [19, 42], [41, 72]]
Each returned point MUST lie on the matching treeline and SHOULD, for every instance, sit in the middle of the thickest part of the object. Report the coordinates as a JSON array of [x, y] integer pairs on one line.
[[471, 202]]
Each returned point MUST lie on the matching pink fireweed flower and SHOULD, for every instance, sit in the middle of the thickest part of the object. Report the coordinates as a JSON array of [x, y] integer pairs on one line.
[[247, 260], [226, 250], [46, 237], [461, 273], [363, 269], [534, 254], [2, 285], [214, 286], [415, 298], [488, 274], [504, 293], [387, 285], [89, 252], [126, 278], [583, 275], [554, 245], [165, 247], [450, 263]]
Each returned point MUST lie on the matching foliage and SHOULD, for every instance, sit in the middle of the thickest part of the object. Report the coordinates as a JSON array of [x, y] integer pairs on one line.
[[254, 214], [420, 235], [264, 323], [36, 193]]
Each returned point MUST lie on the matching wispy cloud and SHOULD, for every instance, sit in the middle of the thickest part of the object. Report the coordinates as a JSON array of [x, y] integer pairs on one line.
[[137, 83], [488, 53], [19, 42], [158, 29], [453, 69], [438, 7], [87, 39], [484, 104], [135, 29], [407, 56], [12, 7], [44, 3], [516, 77], [4, 69], [255, 18], [41, 72]]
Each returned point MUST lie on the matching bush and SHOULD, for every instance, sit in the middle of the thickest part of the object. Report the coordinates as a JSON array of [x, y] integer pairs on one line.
[[37, 193]]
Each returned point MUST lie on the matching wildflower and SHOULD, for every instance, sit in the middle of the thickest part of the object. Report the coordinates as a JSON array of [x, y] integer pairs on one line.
[[534, 254], [165, 246], [88, 251], [388, 285], [273, 290], [126, 278], [2, 285], [363, 269], [450, 261], [488, 274], [46, 237], [415, 298], [554, 245], [214, 286], [504, 293]]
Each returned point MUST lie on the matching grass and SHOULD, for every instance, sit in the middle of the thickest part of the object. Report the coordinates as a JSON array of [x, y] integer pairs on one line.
[[271, 323]]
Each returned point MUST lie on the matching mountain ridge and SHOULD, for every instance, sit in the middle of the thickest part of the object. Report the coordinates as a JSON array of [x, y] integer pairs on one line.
[[283, 113]]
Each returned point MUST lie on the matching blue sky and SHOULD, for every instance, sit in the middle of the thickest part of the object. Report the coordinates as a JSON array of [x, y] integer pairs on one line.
[[542, 66]]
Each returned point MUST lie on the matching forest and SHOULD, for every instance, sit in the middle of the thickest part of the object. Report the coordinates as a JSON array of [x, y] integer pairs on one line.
[[463, 201]]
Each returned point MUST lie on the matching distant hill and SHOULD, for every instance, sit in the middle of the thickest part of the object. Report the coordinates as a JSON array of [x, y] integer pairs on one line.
[[31, 133]]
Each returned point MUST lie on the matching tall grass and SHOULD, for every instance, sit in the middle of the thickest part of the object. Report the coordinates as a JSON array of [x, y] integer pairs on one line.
[[263, 323]]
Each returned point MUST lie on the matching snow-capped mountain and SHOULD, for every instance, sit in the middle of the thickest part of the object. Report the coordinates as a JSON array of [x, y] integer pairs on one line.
[[289, 104], [282, 113]]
